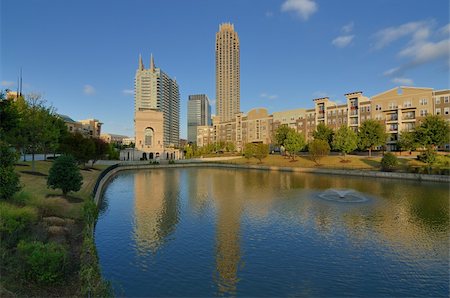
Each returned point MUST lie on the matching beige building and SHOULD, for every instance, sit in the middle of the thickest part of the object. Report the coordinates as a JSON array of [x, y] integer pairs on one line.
[[113, 138], [205, 135], [398, 109], [89, 127], [227, 73]]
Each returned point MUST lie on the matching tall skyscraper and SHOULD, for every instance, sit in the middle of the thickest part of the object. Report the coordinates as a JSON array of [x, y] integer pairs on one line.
[[227, 73], [199, 114], [155, 90]]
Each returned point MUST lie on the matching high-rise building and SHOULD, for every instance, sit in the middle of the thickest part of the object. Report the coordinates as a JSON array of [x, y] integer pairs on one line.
[[227, 73], [155, 90], [199, 114]]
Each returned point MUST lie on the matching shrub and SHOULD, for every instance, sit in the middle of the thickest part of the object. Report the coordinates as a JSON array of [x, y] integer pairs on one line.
[[9, 179], [171, 162], [389, 162], [318, 149], [429, 156], [44, 263], [65, 175], [14, 220]]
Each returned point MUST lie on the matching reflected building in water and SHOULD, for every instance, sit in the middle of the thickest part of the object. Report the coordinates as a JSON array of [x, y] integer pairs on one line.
[[156, 208]]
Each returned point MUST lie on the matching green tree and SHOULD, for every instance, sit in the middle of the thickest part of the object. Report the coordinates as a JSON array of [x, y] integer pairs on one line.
[[323, 132], [318, 149], [81, 148], [294, 143], [281, 135], [188, 152], [433, 131], [345, 140], [230, 147], [261, 151], [407, 141], [64, 174], [249, 150], [9, 179], [10, 119], [371, 134], [100, 149]]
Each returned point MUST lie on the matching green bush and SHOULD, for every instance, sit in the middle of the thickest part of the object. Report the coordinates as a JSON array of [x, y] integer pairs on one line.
[[389, 162], [44, 263], [429, 156], [14, 220], [22, 198]]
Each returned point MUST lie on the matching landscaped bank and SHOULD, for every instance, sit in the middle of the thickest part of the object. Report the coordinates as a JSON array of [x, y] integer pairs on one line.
[[47, 246]]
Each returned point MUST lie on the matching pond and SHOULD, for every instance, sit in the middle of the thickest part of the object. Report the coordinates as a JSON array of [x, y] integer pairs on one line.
[[224, 232]]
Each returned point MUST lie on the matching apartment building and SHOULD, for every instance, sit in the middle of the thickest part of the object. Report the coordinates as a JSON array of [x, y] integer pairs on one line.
[[88, 127], [398, 109]]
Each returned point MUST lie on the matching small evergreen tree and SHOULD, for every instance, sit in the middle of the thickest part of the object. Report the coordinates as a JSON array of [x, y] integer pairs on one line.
[[389, 162], [65, 175]]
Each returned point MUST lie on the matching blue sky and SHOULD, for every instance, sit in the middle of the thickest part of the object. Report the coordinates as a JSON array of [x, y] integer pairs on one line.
[[82, 55]]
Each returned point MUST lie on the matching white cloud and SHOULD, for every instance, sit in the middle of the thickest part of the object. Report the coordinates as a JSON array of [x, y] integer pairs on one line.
[[269, 14], [445, 30], [303, 8], [8, 83], [88, 90], [423, 46], [388, 35], [342, 41], [402, 81], [128, 92], [268, 96], [348, 28], [391, 71]]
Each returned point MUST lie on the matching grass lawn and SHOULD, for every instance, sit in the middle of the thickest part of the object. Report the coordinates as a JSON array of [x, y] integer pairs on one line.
[[328, 162]]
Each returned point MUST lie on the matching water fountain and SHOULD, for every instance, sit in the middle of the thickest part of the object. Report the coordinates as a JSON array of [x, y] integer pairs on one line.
[[343, 195]]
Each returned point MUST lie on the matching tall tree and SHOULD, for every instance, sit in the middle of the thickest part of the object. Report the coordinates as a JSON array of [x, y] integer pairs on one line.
[[345, 140], [9, 180], [323, 132], [318, 149], [294, 143], [81, 148], [261, 151], [433, 131], [281, 134], [407, 141], [371, 134]]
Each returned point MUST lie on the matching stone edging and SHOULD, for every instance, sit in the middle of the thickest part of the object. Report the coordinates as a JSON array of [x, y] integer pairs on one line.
[[376, 174]]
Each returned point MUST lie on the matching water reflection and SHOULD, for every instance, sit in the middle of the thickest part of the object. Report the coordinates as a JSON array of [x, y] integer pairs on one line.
[[156, 208], [290, 240]]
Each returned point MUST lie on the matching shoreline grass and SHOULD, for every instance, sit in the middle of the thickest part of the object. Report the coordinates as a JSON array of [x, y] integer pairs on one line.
[[59, 219]]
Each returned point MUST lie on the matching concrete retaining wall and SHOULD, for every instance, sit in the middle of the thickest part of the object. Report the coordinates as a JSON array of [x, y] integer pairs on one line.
[[376, 174]]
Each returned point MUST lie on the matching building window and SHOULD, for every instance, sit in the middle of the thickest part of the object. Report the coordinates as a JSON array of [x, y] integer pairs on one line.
[[423, 113], [423, 101], [378, 108], [438, 100], [407, 104], [148, 136], [438, 111], [446, 99], [446, 111]]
